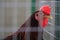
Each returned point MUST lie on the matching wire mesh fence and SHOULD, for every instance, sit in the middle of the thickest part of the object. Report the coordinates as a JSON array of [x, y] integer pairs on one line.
[[15, 12]]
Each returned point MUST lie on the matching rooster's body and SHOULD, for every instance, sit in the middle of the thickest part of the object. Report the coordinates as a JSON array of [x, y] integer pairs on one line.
[[31, 22]]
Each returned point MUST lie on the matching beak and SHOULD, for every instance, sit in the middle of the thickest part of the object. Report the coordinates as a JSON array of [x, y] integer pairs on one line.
[[50, 17]]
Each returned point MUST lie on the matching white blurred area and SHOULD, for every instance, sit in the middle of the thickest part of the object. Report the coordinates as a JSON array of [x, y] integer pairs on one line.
[[13, 14]]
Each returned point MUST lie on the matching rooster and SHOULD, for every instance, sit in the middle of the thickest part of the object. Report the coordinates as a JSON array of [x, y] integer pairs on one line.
[[37, 19]]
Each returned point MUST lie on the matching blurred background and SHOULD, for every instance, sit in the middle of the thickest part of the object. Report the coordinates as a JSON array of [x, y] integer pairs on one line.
[[13, 13]]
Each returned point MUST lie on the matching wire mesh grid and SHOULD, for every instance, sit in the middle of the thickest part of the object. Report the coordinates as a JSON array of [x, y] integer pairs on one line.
[[11, 12]]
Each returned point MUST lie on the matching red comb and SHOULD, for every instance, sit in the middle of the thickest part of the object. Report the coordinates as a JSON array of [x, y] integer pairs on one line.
[[46, 9]]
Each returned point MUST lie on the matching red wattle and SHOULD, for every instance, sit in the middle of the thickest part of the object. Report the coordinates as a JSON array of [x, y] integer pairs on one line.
[[45, 22]]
